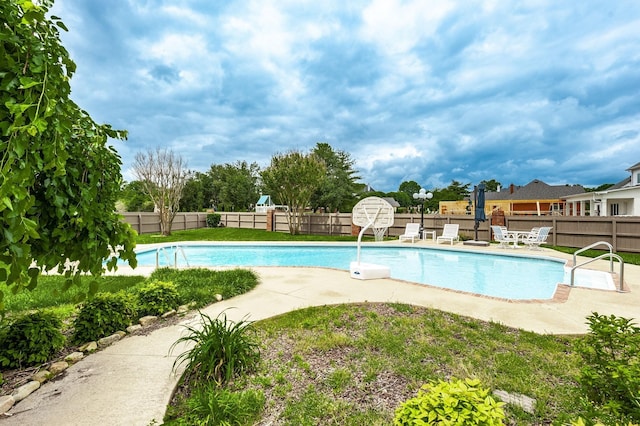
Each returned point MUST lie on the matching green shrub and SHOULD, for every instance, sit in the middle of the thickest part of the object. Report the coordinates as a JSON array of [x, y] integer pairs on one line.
[[222, 349], [213, 220], [211, 405], [457, 402], [103, 315], [31, 339], [157, 297], [610, 376]]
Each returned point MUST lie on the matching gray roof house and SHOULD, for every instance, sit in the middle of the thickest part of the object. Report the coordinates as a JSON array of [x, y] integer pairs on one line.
[[536, 197]]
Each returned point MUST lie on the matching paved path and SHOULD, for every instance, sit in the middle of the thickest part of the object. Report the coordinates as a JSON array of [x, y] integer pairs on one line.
[[130, 382]]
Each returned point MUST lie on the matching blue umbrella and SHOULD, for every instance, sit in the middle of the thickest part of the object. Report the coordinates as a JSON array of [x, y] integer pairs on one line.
[[478, 193], [479, 213]]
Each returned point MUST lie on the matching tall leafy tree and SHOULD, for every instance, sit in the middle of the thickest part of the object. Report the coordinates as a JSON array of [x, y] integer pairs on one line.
[[163, 175], [291, 179], [237, 184], [402, 198], [59, 180], [491, 185], [134, 198], [454, 192], [198, 193], [338, 186], [409, 187]]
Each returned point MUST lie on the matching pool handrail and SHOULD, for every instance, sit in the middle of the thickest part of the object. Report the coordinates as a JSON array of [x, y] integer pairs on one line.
[[176, 248], [611, 255], [596, 244]]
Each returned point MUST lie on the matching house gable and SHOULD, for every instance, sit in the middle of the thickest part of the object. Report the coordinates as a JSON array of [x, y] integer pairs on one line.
[[635, 175]]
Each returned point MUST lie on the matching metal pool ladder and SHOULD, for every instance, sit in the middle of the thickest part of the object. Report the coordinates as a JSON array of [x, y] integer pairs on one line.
[[176, 249], [611, 255]]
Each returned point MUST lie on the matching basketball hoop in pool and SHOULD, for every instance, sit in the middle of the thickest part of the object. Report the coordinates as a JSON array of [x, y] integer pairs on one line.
[[377, 214]]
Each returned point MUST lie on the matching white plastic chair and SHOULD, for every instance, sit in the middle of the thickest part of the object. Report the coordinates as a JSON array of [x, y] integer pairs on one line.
[[449, 233], [534, 240], [411, 232], [502, 236]]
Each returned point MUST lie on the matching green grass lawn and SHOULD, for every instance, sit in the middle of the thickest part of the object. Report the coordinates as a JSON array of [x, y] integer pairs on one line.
[[354, 364], [235, 234]]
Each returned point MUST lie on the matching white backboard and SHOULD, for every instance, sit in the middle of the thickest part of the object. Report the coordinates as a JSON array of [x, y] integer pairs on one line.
[[373, 212]]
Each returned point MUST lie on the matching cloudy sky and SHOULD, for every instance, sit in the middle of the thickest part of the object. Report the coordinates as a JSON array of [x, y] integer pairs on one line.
[[424, 90]]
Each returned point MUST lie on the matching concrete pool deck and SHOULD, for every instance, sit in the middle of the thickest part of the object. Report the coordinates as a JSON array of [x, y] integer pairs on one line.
[[130, 382]]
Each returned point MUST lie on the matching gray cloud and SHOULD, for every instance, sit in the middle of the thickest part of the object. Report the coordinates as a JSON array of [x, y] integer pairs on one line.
[[413, 90]]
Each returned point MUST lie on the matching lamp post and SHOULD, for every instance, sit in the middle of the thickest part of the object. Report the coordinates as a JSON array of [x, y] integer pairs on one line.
[[422, 195]]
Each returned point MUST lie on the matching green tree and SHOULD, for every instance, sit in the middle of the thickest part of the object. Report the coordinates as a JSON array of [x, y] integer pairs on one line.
[[198, 193], [491, 185], [454, 192], [338, 187], [402, 198], [409, 187], [134, 198], [59, 180], [292, 179], [602, 187], [237, 184]]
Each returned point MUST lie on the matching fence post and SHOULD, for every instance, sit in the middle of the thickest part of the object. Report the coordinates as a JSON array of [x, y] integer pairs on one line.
[[270, 215], [330, 224]]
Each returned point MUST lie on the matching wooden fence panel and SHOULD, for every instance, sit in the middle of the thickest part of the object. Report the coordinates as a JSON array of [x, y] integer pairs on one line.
[[622, 232]]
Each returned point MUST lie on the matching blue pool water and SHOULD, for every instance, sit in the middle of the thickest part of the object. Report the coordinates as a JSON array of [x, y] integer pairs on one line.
[[509, 277]]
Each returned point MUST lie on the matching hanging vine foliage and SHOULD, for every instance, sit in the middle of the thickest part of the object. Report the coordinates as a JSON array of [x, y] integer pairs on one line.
[[59, 179]]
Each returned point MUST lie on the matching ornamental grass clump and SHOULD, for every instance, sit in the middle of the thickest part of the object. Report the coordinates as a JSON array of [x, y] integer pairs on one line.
[[211, 405], [222, 349], [457, 402]]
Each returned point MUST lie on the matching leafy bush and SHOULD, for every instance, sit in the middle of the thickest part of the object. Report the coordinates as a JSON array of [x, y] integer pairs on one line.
[[213, 220], [221, 350], [103, 315], [610, 376], [456, 402], [31, 339], [157, 297], [211, 405]]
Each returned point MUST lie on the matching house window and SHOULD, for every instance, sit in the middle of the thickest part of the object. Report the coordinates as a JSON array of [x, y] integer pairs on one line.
[[614, 209], [638, 178]]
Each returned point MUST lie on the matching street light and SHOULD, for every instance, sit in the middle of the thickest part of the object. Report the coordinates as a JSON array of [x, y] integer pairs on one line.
[[422, 195]]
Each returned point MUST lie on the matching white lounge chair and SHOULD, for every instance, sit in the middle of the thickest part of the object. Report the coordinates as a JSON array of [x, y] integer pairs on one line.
[[411, 232], [449, 233], [502, 236], [534, 239]]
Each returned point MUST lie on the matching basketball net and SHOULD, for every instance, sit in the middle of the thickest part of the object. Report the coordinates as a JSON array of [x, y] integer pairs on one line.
[[379, 233]]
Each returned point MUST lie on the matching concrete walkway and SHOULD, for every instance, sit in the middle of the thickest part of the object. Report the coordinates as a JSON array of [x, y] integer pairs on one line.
[[130, 382]]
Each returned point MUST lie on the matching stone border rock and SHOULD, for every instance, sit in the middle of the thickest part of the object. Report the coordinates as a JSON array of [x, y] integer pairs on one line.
[[58, 367]]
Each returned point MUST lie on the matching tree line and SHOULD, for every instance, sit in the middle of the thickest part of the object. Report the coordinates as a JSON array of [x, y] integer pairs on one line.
[[323, 179]]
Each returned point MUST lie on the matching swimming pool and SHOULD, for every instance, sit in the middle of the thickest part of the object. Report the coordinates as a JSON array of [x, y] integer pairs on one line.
[[495, 275]]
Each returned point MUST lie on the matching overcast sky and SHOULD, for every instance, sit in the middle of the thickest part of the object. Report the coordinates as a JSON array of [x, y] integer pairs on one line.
[[423, 90]]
